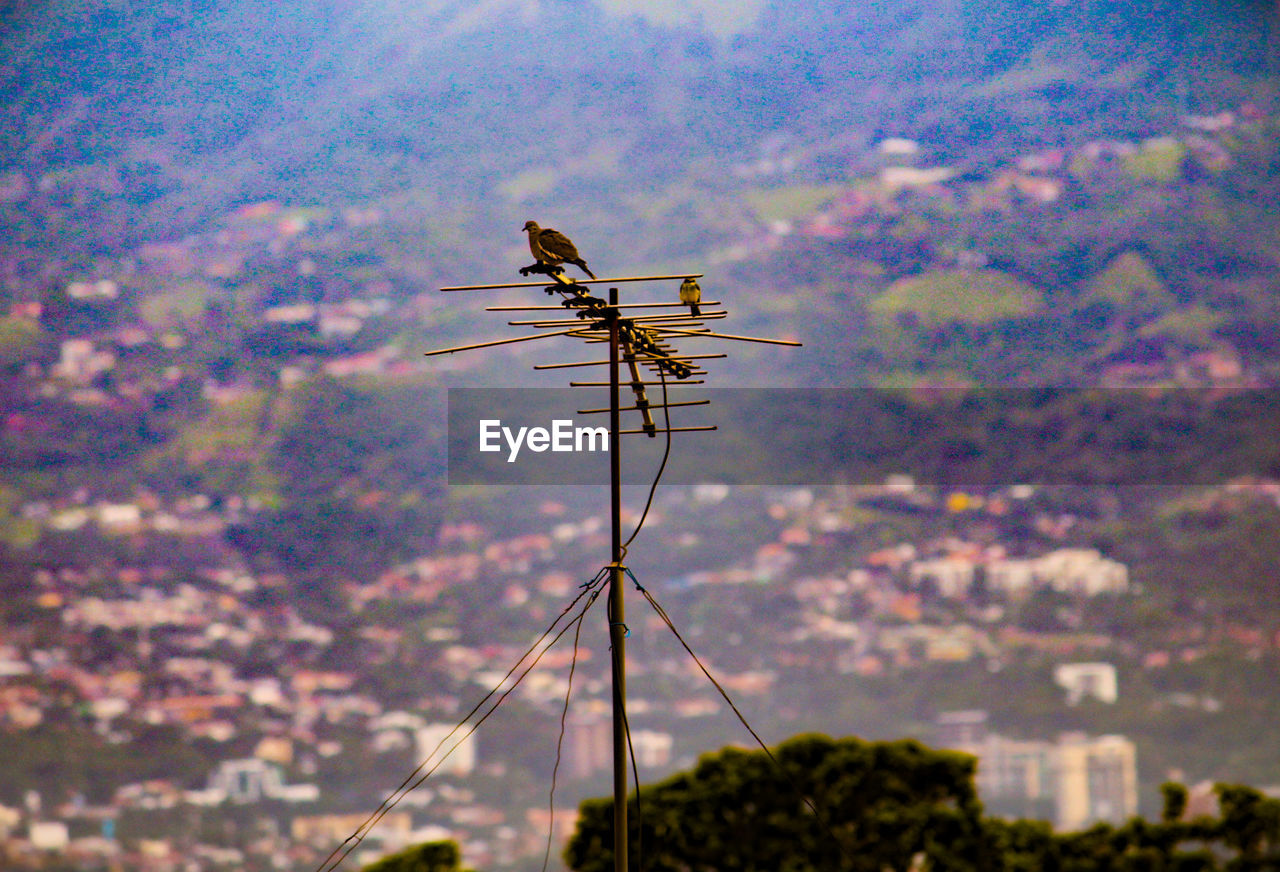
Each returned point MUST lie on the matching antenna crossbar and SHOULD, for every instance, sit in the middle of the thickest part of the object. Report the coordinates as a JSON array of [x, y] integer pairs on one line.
[[715, 356], [496, 342], [714, 335], [608, 384], [666, 430], [557, 323], [562, 306], [651, 406], [639, 359], [692, 320], [569, 365], [705, 316], [573, 281]]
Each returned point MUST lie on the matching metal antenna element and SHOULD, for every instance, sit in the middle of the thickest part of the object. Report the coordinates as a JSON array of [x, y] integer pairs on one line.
[[635, 341]]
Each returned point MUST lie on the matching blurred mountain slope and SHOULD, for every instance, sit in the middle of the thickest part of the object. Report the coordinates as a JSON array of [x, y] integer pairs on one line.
[[202, 105]]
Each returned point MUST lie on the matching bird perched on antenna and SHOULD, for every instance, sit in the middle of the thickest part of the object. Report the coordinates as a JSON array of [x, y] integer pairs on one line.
[[550, 249], [691, 293]]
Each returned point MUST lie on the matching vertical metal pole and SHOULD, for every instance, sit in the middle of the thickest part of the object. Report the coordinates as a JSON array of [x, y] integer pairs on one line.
[[617, 630]]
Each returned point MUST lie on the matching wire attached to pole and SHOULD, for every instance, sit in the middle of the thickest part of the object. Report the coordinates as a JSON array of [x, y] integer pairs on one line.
[[653, 488], [564, 714], [666, 619], [592, 590]]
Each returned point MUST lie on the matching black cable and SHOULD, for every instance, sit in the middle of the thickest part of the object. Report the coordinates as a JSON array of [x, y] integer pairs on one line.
[[666, 619], [501, 699], [407, 786], [564, 713], [666, 412], [635, 776]]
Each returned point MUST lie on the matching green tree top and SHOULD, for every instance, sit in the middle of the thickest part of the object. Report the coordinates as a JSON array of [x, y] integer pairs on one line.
[[898, 806], [880, 805], [426, 857]]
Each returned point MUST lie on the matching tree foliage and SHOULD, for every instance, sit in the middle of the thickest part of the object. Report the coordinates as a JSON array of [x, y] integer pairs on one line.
[[426, 857], [898, 806], [879, 805]]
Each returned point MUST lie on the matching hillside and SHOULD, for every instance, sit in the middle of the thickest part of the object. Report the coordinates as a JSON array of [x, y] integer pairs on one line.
[[183, 112]]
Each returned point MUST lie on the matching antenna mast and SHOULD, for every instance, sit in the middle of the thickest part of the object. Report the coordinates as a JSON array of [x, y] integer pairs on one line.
[[639, 340]]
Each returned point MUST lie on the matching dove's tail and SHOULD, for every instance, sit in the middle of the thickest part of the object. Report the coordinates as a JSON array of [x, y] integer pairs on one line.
[[582, 265], [694, 310]]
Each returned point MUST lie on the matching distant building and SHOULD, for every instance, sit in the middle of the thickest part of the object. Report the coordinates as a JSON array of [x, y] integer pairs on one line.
[[652, 748], [1074, 782], [331, 829], [899, 146], [104, 289], [961, 728], [1012, 577], [295, 313], [460, 747], [1097, 680], [1082, 571], [952, 576], [910, 177], [48, 835], [80, 361], [253, 780], [9, 820], [1096, 780], [589, 744]]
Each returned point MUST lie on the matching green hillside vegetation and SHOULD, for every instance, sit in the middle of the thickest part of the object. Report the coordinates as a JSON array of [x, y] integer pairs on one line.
[[19, 338], [177, 303], [789, 202], [227, 448], [939, 297], [15, 530], [1192, 325], [1159, 160], [1129, 281]]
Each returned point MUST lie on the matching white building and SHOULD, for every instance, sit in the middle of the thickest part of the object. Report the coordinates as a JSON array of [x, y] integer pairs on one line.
[[1079, 680], [953, 576], [1012, 577], [1082, 571], [460, 748], [253, 780], [48, 835], [652, 748], [79, 361], [1075, 781], [1097, 780]]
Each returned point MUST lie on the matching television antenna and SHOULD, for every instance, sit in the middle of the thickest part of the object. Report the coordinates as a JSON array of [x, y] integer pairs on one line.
[[639, 336]]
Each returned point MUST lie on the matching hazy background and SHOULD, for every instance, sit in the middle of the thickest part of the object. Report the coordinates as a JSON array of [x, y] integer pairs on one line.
[[222, 228]]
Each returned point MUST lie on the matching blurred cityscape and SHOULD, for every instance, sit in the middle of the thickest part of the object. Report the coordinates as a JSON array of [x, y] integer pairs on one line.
[[240, 602]]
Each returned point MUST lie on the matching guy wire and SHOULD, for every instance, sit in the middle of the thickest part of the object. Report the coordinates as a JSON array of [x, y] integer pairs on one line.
[[666, 619], [413, 781], [564, 713]]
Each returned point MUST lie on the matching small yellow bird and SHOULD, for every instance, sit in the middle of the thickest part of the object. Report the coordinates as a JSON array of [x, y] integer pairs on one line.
[[691, 293]]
